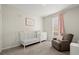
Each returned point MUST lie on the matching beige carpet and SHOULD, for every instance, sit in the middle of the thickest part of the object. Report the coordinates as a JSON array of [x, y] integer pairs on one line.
[[43, 48]]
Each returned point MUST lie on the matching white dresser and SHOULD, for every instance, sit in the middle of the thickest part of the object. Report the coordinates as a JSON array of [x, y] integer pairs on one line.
[[74, 49]]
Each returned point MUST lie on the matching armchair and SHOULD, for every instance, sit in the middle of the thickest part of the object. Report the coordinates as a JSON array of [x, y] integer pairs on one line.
[[64, 44]]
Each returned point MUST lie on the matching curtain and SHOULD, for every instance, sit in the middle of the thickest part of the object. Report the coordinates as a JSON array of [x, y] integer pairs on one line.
[[58, 26], [61, 24]]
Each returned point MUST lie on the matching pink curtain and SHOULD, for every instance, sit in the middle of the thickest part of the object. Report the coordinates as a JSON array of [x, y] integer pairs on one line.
[[61, 23]]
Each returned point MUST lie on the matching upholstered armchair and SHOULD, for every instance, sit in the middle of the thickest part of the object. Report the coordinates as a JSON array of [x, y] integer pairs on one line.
[[64, 44]]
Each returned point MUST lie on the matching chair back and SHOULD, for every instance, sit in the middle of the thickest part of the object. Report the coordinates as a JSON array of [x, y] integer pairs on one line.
[[68, 37]]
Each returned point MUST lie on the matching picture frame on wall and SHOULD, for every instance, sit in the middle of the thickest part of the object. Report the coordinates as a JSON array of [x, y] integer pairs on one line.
[[29, 21]]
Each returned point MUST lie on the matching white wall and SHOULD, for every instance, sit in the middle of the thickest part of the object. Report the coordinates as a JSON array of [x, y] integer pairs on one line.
[[0, 28], [72, 22], [13, 22]]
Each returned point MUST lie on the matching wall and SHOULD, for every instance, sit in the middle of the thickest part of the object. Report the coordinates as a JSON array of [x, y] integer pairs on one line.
[[0, 28], [14, 22], [71, 18]]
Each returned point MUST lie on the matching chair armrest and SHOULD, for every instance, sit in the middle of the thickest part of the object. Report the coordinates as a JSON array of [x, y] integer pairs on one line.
[[64, 42]]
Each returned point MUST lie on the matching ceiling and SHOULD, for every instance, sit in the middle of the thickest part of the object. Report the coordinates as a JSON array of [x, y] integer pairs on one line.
[[40, 9]]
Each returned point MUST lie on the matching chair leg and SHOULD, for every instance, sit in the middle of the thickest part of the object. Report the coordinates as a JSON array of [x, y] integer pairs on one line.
[[24, 48]]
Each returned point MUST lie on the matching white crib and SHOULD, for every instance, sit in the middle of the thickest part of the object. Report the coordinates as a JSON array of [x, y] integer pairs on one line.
[[27, 38]]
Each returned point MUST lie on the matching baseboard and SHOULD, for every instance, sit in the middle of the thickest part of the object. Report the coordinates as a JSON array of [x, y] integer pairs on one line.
[[11, 46]]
